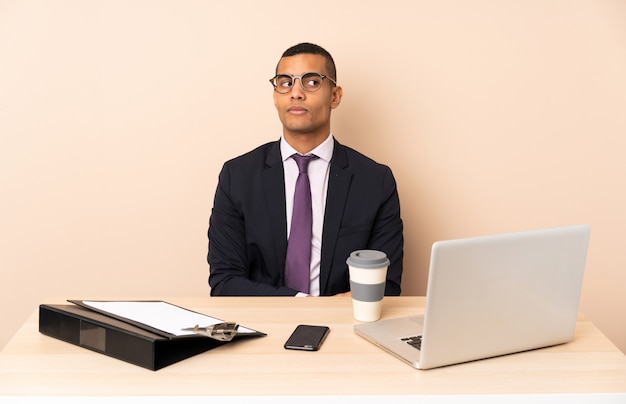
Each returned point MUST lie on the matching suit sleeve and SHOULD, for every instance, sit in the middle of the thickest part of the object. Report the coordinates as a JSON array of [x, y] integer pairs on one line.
[[387, 233], [229, 256]]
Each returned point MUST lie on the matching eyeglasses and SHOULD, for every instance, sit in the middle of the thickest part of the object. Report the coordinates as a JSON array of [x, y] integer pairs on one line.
[[283, 83]]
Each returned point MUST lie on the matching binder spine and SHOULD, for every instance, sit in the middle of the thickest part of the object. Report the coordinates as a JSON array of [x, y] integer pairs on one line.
[[98, 337]]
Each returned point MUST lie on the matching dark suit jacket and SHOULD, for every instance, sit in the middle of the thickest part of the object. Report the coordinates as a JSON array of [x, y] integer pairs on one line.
[[248, 226]]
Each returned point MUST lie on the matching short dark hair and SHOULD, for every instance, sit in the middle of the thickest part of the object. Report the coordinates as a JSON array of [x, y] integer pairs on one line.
[[311, 48]]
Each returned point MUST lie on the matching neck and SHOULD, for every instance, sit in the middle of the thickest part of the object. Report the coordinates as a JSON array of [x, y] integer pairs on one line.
[[304, 143]]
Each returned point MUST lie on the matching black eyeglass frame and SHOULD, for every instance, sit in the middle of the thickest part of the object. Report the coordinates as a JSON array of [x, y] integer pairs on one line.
[[293, 79]]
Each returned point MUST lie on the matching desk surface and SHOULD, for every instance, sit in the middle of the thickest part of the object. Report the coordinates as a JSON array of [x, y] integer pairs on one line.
[[32, 364]]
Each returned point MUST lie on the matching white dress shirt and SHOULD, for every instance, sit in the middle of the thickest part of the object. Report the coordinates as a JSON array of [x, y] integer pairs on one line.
[[319, 170]]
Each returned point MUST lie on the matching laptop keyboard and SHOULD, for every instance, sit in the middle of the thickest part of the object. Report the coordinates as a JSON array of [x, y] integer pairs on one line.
[[415, 342]]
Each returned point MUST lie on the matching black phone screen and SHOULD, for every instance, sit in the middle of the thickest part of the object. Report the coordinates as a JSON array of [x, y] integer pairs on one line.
[[307, 337]]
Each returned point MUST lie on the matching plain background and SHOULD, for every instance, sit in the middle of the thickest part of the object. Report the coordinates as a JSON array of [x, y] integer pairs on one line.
[[116, 117]]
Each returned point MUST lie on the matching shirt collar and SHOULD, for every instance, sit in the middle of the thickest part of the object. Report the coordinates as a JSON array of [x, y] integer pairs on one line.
[[324, 151]]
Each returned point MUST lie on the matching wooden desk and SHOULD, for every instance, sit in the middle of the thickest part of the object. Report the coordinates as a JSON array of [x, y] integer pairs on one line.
[[32, 364]]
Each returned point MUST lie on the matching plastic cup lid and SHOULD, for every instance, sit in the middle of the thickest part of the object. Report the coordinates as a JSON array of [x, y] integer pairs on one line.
[[367, 259]]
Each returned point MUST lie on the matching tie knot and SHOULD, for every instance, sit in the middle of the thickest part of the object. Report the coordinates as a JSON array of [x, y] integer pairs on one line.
[[303, 161]]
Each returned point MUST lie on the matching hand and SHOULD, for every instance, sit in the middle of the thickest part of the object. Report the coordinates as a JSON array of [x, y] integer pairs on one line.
[[348, 294]]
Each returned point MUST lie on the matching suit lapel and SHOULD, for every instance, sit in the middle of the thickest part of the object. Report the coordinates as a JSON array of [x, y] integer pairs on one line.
[[274, 184], [338, 186]]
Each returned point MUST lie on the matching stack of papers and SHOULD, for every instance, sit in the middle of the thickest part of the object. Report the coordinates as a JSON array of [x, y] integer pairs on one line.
[[159, 315]]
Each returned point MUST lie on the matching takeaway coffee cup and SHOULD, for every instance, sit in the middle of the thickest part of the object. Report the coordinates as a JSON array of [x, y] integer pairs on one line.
[[368, 273]]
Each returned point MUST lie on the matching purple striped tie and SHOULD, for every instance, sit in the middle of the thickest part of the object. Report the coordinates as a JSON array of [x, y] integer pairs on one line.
[[298, 263]]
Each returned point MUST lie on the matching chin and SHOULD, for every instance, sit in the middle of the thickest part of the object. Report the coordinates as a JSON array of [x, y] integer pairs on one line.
[[299, 129]]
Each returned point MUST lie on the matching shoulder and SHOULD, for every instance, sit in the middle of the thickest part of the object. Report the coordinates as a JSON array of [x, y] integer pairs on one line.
[[349, 158], [259, 155]]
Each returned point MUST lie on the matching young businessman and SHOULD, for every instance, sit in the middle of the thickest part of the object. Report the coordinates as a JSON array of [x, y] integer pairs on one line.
[[354, 200]]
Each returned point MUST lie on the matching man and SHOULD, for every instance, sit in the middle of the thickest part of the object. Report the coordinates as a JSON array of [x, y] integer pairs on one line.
[[354, 201]]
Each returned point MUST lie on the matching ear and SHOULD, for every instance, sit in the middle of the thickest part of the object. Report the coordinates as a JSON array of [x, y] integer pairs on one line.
[[336, 97], [275, 97]]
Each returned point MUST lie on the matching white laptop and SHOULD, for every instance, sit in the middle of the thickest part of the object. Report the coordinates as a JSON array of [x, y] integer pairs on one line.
[[489, 296]]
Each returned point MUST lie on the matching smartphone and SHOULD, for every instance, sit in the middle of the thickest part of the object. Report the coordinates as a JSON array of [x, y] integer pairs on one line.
[[307, 337]]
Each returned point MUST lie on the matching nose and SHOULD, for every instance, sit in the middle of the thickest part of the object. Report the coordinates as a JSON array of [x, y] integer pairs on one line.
[[297, 92]]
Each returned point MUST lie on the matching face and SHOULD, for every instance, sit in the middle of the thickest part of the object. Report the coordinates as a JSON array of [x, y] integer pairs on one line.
[[305, 113]]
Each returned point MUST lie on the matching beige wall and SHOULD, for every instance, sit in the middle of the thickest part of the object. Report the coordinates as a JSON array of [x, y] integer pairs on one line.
[[115, 118]]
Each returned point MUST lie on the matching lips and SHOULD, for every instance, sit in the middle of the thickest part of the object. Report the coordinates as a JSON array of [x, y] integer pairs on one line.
[[296, 110]]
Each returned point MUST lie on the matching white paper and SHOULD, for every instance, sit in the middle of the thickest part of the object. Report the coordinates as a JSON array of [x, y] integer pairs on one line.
[[160, 315]]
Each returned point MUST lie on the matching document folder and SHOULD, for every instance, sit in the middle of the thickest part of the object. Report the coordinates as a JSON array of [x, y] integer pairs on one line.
[[119, 339]]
